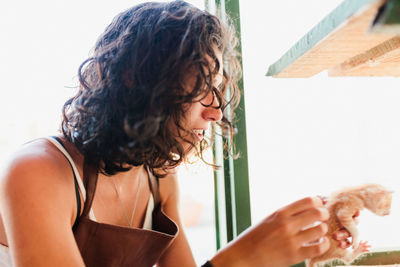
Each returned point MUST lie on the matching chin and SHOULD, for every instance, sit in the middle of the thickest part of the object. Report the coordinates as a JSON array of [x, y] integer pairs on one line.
[[189, 150]]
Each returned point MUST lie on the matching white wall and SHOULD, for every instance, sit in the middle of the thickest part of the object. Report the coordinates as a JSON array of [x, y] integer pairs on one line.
[[313, 136], [42, 44]]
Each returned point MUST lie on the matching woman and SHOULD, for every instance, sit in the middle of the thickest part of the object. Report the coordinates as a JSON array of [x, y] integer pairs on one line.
[[104, 192]]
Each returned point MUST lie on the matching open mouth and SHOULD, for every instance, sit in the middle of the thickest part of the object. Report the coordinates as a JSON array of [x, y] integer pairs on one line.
[[199, 133]]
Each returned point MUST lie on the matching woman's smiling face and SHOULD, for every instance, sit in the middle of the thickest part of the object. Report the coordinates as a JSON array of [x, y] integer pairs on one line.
[[202, 111]]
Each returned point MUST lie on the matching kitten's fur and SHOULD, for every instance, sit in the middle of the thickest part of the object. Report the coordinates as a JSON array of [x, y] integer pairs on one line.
[[342, 206]]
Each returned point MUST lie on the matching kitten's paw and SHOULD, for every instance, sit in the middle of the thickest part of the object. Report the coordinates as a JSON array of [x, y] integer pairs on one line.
[[365, 246], [362, 247]]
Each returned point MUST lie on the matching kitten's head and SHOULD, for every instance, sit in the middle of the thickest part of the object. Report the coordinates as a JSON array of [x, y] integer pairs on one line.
[[377, 199]]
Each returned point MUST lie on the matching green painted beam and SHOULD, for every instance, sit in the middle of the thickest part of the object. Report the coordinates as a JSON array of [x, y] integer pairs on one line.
[[388, 19], [232, 196], [240, 167], [221, 218], [332, 21]]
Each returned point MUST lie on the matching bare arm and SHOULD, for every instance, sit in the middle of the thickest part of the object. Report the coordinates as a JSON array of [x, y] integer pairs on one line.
[[179, 253], [36, 205]]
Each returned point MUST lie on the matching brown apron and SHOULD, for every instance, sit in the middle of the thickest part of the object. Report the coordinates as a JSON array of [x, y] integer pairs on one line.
[[109, 245]]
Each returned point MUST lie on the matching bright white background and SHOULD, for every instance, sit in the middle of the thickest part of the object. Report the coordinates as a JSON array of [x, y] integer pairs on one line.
[[314, 136], [305, 136]]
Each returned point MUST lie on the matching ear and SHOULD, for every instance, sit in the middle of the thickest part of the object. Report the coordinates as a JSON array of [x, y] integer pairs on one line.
[[384, 193]]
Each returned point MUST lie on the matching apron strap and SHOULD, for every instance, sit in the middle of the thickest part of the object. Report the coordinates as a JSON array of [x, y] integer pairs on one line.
[[90, 173]]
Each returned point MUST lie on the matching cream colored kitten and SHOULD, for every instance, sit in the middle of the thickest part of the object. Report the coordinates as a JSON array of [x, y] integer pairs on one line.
[[344, 206]]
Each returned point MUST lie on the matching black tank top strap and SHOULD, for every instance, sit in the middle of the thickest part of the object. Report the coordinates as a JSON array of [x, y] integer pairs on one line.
[[90, 174], [78, 197]]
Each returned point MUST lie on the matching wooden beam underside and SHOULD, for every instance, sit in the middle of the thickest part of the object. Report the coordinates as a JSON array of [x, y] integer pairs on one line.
[[348, 39], [382, 60]]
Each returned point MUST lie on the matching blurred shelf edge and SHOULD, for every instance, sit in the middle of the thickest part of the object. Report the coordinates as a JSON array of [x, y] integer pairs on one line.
[[383, 258], [358, 38]]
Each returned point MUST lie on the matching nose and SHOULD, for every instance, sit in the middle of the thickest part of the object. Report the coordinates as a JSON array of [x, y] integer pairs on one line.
[[212, 112], [386, 212]]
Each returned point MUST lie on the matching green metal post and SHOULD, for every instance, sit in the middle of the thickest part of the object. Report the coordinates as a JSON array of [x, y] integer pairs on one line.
[[240, 165], [232, 198]]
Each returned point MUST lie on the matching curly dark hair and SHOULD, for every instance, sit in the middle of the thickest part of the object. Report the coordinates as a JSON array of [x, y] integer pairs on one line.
[[132, 87]]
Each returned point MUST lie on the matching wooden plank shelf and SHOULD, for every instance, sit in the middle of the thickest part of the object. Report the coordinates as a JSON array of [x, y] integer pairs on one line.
[[390, 258], [358, 38]]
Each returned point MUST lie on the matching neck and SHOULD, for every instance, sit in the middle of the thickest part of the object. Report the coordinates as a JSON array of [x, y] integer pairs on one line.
[[129, 179]]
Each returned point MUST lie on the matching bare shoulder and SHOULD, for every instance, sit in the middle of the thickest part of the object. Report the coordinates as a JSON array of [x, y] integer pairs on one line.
[[169, 189], [35, 160], [37, 169], [37, 206]]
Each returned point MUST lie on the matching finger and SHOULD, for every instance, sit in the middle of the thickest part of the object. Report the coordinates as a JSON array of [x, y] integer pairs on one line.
[[316, 249], [341, 235], [309, 218], [302, 205], [312, 234]]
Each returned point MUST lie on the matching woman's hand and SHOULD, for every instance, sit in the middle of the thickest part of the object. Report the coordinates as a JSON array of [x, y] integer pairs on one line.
[[284, 238]]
